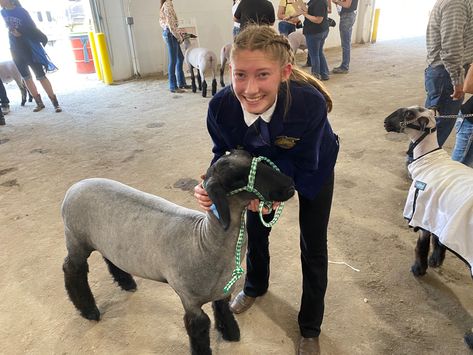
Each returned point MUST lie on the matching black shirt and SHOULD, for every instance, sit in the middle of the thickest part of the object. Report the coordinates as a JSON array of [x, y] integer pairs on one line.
[[255, 11], [316, 8]]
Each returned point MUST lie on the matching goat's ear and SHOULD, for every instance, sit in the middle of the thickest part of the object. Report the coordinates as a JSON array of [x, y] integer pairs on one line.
[[218, 195], [423, 122]]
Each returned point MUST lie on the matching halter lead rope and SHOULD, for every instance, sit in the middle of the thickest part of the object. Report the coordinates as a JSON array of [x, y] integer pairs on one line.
[[238, 271]]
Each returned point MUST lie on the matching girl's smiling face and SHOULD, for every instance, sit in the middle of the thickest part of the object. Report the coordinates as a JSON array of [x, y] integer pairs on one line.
[[256, 79]]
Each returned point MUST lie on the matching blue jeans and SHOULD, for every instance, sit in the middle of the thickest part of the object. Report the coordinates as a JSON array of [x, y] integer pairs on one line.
[[315, 45], [347, 20], [463, 150], [285, 28], [175, 59], [438, 86]]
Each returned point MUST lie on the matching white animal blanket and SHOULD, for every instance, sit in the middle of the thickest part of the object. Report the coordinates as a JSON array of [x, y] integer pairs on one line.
[[440, 201]]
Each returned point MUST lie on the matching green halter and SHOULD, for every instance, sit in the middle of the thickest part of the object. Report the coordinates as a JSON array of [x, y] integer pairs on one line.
[[238, 271]]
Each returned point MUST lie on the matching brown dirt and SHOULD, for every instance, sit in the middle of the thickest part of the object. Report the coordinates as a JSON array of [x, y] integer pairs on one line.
[[138, 133]]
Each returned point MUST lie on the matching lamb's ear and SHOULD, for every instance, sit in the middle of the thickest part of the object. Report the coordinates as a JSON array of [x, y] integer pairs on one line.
[[423, 122], [218, 196]]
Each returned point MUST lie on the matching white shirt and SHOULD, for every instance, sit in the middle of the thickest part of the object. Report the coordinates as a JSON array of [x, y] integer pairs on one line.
[[250, 118]]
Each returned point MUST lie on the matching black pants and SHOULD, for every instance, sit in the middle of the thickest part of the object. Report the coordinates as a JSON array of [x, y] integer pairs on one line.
[[3, 94], [313, 221]]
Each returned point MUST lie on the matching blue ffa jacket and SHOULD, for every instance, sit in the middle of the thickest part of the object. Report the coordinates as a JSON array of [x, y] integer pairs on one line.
[[302, 143]]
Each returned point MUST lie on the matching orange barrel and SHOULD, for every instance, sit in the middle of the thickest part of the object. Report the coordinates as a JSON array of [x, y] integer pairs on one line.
[[82, 53]]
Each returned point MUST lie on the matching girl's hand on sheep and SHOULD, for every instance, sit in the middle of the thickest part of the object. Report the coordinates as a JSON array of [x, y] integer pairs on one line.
[[202, 198], [253, 206]]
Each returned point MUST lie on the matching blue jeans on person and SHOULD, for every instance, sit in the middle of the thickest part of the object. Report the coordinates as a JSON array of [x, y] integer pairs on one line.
[[463, 150], [438, 86], [347, 20], [315, 45], [285, 28], [176, 61]]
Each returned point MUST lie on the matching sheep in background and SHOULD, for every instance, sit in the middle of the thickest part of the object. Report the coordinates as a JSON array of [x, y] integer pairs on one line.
[[297, 41], [224, 58], [440, 200], [8, 73], [202, 59], [144, 235]]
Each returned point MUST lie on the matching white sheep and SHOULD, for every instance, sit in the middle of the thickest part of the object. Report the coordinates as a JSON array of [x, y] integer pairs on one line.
[[297, 41], [440, 200], [144, 235], [224, 58], [202, 59], [9, 72]]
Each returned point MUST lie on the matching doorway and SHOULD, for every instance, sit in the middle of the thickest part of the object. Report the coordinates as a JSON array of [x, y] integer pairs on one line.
[[402, 18]]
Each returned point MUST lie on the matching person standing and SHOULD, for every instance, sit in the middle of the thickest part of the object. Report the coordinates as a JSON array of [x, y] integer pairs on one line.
[[260, 12], [236, 25], [316, 31], [173, 37], [449, 42], [347, 12], [288, 17], [276, 110], [27, 51]]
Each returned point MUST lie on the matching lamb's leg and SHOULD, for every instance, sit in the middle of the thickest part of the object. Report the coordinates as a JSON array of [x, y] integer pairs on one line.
[[77, 286], [469, 339], [214, 87], [204, 88], [123, 279], [422, 251], [225, 321], [198, 328], [191, 69], [438, 252], [199, 80], [23, 94], [222, 72]]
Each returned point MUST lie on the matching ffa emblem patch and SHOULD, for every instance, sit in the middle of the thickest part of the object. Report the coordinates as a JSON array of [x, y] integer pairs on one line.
[[286, 142]]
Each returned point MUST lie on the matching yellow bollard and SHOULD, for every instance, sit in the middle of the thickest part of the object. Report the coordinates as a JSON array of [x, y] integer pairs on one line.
[[374, 33], [104, 60], [93, 47]]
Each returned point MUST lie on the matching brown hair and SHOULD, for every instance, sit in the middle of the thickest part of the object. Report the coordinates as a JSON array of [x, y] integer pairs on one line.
[[277, 47]]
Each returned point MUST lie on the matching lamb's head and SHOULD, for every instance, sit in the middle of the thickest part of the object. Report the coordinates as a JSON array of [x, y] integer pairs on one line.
[[186, 40], [233, 172], [411, 120]]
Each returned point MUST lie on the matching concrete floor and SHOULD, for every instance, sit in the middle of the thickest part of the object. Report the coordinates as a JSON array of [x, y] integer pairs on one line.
[[140, 134]]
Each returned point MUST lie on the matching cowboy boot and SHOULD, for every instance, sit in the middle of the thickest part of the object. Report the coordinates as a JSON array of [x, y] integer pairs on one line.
[[55, 103], [39, 103]]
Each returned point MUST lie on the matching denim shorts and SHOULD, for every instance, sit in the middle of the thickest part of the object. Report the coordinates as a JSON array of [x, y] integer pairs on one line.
[[23, 67]]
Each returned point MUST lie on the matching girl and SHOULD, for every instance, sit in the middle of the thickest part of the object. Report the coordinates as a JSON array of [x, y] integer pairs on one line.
[[27, 51], [276, 110]]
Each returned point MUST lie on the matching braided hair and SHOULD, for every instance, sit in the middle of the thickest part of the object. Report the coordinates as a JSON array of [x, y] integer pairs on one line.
[[266, 39]]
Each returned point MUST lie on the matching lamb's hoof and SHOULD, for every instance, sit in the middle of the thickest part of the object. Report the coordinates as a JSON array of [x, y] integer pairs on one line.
[[93, 314], [436, 260], [23, 103], [222, 84], [418, 270], [469, 339], [231, 333], [128, 285]]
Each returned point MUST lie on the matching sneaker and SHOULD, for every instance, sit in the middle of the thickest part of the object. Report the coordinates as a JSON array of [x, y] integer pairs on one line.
[[178, 91], [5, 109], [325, 78], [340, 70], [185, 86]]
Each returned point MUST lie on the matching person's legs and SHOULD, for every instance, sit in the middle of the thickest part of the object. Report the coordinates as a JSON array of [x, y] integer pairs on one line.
[[347, 20], [313, 45], [285, 28], [324, 71], [313, 220], [463, 150], [181, 79], [170, 41]]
